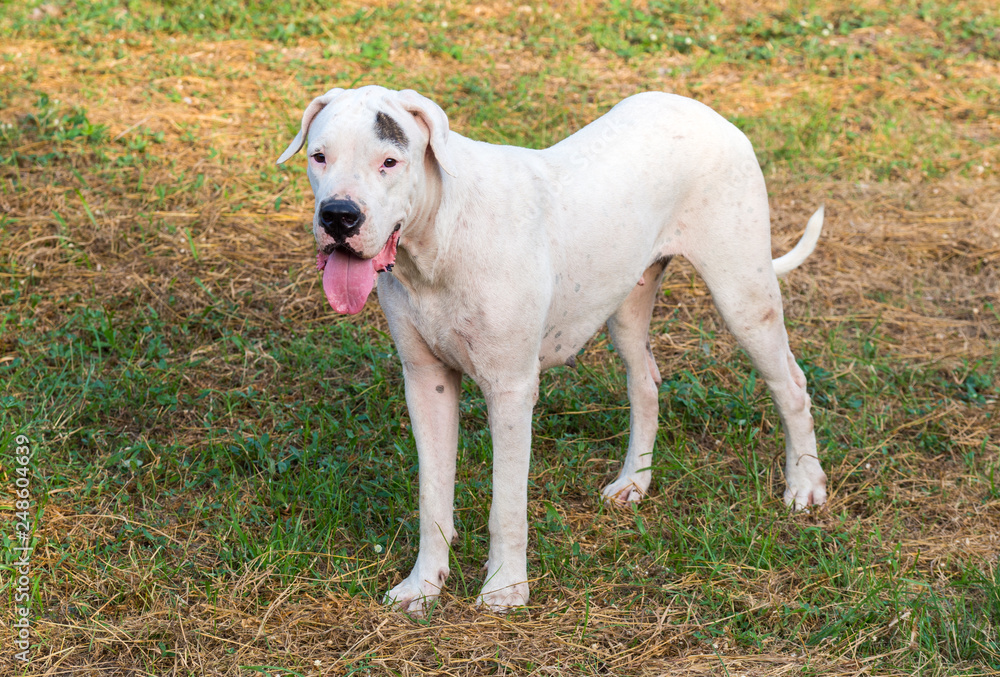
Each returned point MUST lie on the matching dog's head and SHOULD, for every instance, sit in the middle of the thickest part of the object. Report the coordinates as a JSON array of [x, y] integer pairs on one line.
[[368, 150]]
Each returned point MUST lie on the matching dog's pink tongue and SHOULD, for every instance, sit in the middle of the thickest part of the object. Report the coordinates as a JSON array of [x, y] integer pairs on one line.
[[347, 281]]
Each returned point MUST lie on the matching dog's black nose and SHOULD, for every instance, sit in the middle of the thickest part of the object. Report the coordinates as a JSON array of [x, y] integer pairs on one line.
[[340, 218]]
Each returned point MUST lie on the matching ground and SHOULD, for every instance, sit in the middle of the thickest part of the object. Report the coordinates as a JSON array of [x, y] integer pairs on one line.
[[222, 478]]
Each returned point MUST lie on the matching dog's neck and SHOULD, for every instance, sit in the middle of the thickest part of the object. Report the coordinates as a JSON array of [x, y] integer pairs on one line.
[[421, 241]]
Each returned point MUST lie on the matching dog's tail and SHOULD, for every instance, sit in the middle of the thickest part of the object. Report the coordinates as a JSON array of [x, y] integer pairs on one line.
[[801, 251]]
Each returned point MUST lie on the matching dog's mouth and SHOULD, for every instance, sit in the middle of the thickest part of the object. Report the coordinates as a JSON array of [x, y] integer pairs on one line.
[[348, 279]]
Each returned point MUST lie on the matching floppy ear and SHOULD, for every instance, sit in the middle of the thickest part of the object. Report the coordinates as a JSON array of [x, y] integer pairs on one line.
[[430, 115], [312, 110]]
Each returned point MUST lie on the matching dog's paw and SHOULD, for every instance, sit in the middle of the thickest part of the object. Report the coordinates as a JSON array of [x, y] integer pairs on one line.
[[502, 600], [413, 597], [806, 485], [506, 586], [623, 491]]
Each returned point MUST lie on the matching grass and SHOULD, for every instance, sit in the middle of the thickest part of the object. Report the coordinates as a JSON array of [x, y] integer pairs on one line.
[[224, 479]]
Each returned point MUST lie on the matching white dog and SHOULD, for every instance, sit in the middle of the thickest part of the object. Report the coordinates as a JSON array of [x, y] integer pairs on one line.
[[504, 261]]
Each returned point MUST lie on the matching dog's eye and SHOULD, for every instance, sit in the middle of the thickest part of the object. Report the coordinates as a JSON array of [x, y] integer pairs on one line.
[[389, 162], [320, 158]]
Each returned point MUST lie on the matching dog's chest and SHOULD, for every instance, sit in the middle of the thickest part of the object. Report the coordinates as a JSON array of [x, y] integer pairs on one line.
[[456, 335], [482, 342], [475, 345]]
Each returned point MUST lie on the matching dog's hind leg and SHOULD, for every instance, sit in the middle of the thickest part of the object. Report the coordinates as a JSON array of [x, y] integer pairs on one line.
[[741, 278], [629, 331]]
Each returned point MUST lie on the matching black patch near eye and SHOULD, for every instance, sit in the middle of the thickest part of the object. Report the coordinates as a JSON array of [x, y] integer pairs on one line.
[[389, 130]]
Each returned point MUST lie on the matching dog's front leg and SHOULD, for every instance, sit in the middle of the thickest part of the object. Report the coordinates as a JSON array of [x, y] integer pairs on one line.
[[506, 583], [432, 392]]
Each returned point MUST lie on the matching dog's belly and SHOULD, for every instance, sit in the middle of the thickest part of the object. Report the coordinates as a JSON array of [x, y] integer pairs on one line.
[[596, 280], [562, 340], [581, 303]]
